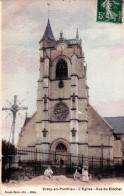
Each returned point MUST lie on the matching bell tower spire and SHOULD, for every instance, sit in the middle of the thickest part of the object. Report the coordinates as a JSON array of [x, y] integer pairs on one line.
[[48, 34]]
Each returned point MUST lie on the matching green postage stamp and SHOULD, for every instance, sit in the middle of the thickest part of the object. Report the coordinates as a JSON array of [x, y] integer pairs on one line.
[[109, 11]]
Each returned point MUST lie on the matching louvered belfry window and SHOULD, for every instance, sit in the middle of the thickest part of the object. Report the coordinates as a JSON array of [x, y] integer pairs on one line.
[[61, 69], [61, 147]]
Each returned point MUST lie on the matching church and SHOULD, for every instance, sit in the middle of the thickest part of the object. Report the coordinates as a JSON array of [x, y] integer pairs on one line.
[[65, 122]]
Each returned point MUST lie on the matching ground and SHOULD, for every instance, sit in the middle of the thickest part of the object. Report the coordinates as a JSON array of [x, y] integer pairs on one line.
[[64, 184]]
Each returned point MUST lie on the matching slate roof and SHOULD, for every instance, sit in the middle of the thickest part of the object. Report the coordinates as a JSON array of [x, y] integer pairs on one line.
[[48, 34], [117, 123], [26, 121]]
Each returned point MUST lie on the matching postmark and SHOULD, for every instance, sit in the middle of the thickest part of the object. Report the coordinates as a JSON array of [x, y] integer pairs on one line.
[[109, 11]]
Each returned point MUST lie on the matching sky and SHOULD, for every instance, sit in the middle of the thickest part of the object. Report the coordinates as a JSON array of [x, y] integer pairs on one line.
[[23, 24]]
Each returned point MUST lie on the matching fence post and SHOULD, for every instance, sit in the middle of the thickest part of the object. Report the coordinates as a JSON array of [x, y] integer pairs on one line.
[[9, 170], [35, 153], [101, 162], [55, 157], [21, 154], [82, 161], [92, 162], [70, 159], [108, 163]]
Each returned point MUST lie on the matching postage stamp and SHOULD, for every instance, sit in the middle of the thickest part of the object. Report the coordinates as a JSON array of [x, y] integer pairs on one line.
[[109, 11]]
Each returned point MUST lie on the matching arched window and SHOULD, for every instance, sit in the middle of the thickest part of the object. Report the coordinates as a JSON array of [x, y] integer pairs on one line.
[[61, 147], [61, 69]]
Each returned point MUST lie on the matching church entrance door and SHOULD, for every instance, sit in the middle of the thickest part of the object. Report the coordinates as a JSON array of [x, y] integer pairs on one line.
[[60, 150], [61, 154]]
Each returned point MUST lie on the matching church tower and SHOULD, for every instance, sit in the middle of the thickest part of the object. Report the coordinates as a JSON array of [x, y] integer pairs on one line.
[[62, 98]]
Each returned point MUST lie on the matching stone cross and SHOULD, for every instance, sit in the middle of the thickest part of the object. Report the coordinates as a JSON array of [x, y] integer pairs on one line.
[[14, 109]]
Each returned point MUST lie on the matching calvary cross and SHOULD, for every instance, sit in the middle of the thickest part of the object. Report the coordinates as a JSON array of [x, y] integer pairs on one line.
[[14, 109]]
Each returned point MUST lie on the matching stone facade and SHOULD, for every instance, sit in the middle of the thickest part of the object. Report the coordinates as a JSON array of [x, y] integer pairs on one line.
[[122, 145], [64, 116], [100, 135], [117, 151], [27, 136]]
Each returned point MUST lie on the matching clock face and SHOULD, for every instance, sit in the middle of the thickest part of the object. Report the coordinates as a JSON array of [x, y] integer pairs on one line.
[[61, 46], [61, 111]]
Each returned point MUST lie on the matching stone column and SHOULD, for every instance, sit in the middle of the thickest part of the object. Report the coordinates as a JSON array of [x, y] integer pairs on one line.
[[74, 111], [45, 116]]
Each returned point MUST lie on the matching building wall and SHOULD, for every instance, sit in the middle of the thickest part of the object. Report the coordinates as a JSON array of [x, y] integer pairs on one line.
[[67, 52], [27, 136], [98, 133], [118, 149], [55, 92], [100, 136], [59, 130], [122, 144]]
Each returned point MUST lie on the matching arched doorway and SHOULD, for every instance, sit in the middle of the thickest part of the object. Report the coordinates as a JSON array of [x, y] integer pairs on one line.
[[61, 154], [60, 150]]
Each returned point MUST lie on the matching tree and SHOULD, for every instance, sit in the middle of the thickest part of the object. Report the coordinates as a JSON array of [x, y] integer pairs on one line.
[[8, 148]]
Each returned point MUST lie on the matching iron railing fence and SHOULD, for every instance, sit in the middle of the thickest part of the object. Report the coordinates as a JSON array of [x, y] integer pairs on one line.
[[25, 155], [32, 162]]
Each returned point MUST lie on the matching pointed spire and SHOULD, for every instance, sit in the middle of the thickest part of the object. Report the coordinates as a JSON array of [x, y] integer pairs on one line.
[[77, 35], [48, 34]]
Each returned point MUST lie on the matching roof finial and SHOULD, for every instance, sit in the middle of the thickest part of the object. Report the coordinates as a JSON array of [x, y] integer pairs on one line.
[[61, 35], [26, 114], [77, 35], [80, 41], [81, 53]]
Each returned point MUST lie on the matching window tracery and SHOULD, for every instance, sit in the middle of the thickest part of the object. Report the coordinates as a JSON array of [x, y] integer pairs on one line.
[[61, 69], [61, 111], [61, 147]]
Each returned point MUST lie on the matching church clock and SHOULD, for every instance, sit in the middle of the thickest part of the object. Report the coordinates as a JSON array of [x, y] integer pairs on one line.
[[61, 46]]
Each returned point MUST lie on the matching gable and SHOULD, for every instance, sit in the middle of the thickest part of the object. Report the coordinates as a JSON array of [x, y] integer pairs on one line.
[[28, 132], [96, 123], [28, 119]]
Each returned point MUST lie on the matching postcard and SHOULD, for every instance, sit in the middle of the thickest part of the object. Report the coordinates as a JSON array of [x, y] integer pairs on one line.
[[62, 92]]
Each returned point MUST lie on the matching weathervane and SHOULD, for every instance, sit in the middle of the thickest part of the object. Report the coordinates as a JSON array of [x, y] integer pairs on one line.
[[48, 9], [14, 109]]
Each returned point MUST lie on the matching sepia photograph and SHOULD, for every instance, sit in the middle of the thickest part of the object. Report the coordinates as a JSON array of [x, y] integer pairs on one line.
[[62, 108]]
